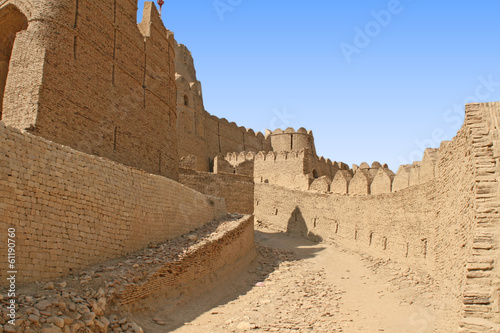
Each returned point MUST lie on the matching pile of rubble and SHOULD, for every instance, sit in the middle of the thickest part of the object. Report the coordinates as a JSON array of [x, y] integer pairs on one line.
[[89, 301]]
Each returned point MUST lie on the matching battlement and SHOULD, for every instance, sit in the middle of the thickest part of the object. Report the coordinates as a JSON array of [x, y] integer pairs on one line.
[[289, 130], [379, 179], [233, 126], [236, 158], [295, 169], [289, 139], [303, 166]]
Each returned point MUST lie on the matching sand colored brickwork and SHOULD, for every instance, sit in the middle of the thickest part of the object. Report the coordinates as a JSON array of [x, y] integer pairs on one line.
[[72, 210], [237, 190], [481, 296], [392, 225], [208, 260], [84, 74]]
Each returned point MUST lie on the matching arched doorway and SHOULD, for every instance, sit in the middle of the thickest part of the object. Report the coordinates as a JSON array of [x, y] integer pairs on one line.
[[11, 22]]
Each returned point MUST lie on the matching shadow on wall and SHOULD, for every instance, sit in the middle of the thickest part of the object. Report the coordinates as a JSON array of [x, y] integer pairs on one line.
[[297, 225]]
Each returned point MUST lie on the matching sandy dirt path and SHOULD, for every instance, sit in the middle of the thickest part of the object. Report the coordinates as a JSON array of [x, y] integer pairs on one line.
[[307, 287]]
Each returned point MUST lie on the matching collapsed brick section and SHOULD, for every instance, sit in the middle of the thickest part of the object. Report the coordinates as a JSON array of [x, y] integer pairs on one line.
[[212, 258], [72, 210]]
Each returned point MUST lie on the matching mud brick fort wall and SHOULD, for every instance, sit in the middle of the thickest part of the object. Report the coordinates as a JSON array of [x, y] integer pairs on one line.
[[84, 74], [72, 210], [84, 78]]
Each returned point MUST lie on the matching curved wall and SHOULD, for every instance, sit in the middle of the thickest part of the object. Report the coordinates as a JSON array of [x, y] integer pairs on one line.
[[108, 84]]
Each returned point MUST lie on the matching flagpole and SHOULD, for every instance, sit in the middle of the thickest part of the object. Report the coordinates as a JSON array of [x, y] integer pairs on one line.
[[160, 3]]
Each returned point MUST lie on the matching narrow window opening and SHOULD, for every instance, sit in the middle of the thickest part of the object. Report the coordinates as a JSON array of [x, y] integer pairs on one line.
[[114, 138], [424, 250]]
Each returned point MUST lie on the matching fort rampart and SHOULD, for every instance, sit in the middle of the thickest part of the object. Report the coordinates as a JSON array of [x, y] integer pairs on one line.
[[72, 210]]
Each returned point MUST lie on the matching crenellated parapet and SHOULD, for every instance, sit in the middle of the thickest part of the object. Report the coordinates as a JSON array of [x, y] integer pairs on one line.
[[236, 138], [293, 168], [419, 172], [382, 181], [379, 179], [363, 180], [360, 183], [305, 171], [289, 140]]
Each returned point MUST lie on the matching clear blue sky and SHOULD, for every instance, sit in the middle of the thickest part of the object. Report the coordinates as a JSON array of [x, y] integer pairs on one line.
[[379, 95]]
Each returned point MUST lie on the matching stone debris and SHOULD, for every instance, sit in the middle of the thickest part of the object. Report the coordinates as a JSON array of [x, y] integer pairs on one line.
[[49, 286], [87, 302], [291, 301], [159, 322]]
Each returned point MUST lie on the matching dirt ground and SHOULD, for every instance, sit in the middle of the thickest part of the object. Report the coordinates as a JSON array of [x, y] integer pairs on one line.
[[296, 285]]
